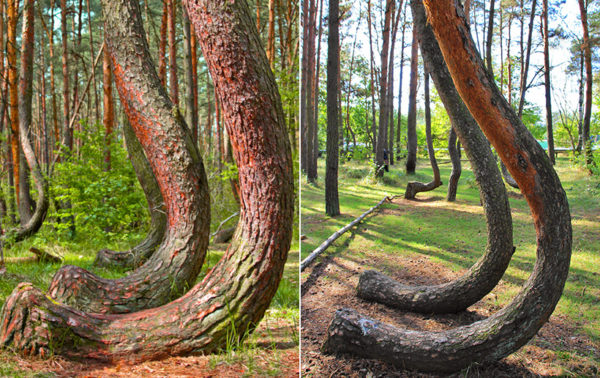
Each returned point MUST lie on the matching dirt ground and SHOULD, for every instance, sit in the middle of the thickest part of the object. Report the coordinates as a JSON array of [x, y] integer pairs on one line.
[[273, 354], [330, 285]]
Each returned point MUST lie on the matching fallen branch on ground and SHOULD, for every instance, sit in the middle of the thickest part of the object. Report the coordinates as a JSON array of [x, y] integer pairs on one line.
[[339, 233]]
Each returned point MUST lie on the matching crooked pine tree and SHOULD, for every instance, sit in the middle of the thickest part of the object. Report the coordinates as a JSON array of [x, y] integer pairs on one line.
[[510, 328], [484, 275], [236, 292]]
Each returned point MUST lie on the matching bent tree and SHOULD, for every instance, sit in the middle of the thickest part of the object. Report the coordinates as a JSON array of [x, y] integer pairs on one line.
[[482, 277], [179, 170], [510, 328], [234, 295]]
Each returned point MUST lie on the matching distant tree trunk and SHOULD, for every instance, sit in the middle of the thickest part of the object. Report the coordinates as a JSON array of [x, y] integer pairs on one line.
[[509, 60], [507, 330], [258, 16], [35, 219], [68, 130], [399, 127], [332, 203], [209, 121], [454, 152], [162, 45], [12, 11], [303, 84], [411, 122], [173, 82], [549, 130], [271, 34], [490, 35], [92, 55], [109, 111], [191, 111], [137, 255], [371, 60], [383, 88], [482, 277], [390, 92], [525, 70], [582, 83], [312, 96], [415, 187], [316, 90], [222, 304], [194, 57], [587, 54], [349, 91]]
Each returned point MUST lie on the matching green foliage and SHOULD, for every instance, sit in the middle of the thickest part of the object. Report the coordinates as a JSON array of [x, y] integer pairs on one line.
[[103, 203]]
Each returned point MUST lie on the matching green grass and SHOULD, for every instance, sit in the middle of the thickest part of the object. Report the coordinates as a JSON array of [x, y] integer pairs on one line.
[[425, 231]]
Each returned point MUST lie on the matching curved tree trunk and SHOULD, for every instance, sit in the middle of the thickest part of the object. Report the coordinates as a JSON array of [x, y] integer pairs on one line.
[[483, 276], [36, 219], [415, 187], [173, 268], [510, 328], [232, 298], [454, 152], [137, 255]]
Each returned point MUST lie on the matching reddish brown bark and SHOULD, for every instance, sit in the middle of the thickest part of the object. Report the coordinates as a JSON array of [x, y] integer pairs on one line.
[[587, 55], [513, 326], [162, 45], [235, 294], [109, 112], [271, 34], [411, 121], [13, 96], [383, 90], [173, 268], [68, 129], [173, 83]]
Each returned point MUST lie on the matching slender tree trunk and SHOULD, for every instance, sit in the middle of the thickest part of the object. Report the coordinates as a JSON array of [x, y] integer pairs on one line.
[[399, 131], [109, 111], [582, 83], [13, 100], [490, 35], [390, 101], [191, 112], [454, 152], [371, 62], [162, 46], [587, 54], [332, 203], [415, 187], [68, 130], [349, 91], [173, 82], [411, 122], [194, 56], [550, 133], [271, 34], [303, 85], [235, 294], [510, 328], [316, 90], [311, 94], [383, 87], [509, 60], [525, 70], [35, 220]]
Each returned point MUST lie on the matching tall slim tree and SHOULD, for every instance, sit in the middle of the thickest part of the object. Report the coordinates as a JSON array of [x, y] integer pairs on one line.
[[332, 203], [411, 122], [109, 112], [173, 81], [547, 85], [383, 88], [587, 54], [525, 70], [12, 11]]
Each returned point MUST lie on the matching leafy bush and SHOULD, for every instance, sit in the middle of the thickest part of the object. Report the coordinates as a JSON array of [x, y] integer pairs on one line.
[[102, 202]]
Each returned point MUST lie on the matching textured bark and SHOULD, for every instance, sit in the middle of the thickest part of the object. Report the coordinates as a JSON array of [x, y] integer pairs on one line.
[[137, 255], [411, 122], [549, 131], [271, 34], [36, 219], [454, 152], [332, 202], [311, 96], [483, 276], [371, 63], [162, 45], [510, 328], [234, 295], [191, 109], [173, 268], [415, 187], [303, 83], [399, 127], [490, 35], [68, 130]]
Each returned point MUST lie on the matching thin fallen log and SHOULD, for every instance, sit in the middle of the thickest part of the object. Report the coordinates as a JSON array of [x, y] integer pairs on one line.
[[306, 262]]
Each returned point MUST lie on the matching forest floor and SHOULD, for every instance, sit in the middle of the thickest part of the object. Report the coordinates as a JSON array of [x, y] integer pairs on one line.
[[430, 241], [271, 350]]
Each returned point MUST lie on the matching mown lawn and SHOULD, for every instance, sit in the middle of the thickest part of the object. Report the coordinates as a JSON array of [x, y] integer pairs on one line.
[[454, 235]]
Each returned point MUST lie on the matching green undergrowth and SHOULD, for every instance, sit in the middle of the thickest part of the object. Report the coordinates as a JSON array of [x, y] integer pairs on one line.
[[455, 235]]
